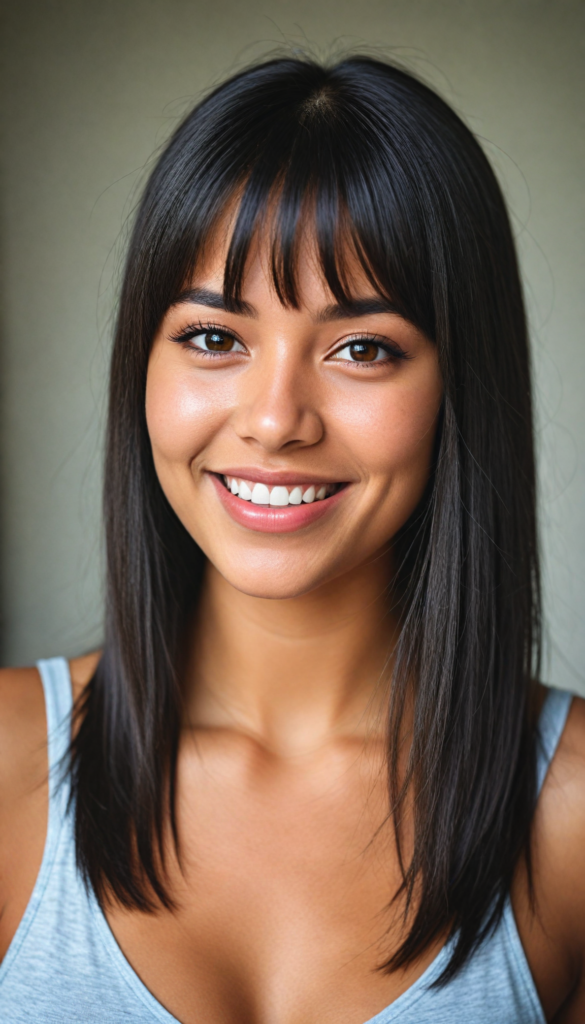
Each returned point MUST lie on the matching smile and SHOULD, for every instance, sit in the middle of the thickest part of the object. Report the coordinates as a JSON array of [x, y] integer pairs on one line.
[[276, 507], [279, 496]]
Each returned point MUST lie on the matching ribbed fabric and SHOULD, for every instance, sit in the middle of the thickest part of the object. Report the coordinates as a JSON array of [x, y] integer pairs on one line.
[[64, 965]]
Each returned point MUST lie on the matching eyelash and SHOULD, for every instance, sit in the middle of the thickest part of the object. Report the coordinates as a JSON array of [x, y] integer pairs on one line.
[[185, 336], [394, 353]]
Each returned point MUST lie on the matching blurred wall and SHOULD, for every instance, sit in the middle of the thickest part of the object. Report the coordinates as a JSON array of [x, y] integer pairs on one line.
[[92, 90]]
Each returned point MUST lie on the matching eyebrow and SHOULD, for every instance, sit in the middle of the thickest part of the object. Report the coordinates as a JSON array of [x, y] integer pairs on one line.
[[355, 308], [215, 300], [336, 311]]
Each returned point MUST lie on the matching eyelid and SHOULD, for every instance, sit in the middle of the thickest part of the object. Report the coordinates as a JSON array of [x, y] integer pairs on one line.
[[192, 330], [393, 350]]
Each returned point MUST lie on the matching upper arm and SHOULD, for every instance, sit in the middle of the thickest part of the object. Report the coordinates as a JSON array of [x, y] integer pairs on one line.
[[23, 733], [560, 833], [24, 785], [23, 792], [559, 865]]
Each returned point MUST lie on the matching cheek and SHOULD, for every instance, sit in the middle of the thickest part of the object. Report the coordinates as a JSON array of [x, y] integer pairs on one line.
[[182, 414], [392, 433]]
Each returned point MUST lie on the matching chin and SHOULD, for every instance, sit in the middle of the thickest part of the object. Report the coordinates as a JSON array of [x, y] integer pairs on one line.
[[274, 581]]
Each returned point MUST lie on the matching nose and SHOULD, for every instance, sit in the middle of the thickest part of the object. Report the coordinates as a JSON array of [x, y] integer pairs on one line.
[[276, 407]]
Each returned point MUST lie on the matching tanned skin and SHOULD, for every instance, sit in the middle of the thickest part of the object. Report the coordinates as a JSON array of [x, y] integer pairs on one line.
[[288, 868]]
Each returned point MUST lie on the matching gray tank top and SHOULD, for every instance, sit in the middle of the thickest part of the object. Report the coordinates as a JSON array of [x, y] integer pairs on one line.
[[64, 965]]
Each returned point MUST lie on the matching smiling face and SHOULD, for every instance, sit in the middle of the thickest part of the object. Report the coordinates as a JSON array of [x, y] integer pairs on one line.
[[291, 443]]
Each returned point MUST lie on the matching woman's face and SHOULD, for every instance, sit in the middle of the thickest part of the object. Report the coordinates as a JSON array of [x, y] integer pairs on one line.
[[292, 443]]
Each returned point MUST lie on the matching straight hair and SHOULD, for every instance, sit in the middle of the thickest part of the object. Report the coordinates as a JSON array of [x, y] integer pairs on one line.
[[379, 166]]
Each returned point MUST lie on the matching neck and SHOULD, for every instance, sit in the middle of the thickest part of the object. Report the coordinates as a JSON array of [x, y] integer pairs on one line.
[[293, 673]]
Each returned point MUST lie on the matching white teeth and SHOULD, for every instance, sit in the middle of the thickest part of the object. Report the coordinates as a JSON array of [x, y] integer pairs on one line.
[[260, 495], [279, 496]]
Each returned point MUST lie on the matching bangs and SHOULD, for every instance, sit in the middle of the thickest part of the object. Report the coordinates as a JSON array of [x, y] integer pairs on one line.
[[320, 158], [289, 222], [324, 183]]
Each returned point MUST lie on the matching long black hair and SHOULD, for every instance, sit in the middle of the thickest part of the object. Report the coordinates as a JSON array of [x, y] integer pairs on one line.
[[387, 170]]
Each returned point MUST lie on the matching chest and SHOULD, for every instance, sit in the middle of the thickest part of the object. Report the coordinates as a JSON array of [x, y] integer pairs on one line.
[[281, 904]]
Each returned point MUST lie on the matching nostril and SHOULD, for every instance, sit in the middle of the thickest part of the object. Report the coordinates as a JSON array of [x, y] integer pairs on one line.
[[278, 422]]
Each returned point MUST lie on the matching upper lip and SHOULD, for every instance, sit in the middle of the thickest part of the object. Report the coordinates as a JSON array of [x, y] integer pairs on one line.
[[275, 477]]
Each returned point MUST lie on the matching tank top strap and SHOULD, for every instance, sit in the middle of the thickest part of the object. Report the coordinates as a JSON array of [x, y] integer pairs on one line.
[[553, 717], [58, 706]]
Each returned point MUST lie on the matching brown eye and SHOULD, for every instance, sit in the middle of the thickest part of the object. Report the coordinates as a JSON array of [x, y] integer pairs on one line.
[[212, 341], [364, 351], [218, 341]]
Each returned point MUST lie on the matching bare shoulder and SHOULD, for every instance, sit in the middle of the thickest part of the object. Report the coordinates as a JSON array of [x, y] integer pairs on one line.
[[559, 859], [561, 811], [560, 814], [23, 792], [24, 785], [571, 753], [551, 922], [22, 727]]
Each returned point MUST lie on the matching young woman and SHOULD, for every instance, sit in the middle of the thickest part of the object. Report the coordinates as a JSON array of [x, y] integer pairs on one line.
[[312, 777]]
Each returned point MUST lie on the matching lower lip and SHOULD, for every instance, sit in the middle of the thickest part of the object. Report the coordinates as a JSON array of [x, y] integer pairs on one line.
[[270, 518]]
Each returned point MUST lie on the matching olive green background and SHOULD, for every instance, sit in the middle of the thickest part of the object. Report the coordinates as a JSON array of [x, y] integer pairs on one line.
[[92, 90]]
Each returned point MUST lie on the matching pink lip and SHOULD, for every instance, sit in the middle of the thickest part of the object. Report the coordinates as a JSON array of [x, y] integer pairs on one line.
[[267, 519]]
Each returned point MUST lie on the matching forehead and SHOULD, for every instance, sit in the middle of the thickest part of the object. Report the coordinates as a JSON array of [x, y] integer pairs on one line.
[[205, 286], [264, 264]]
